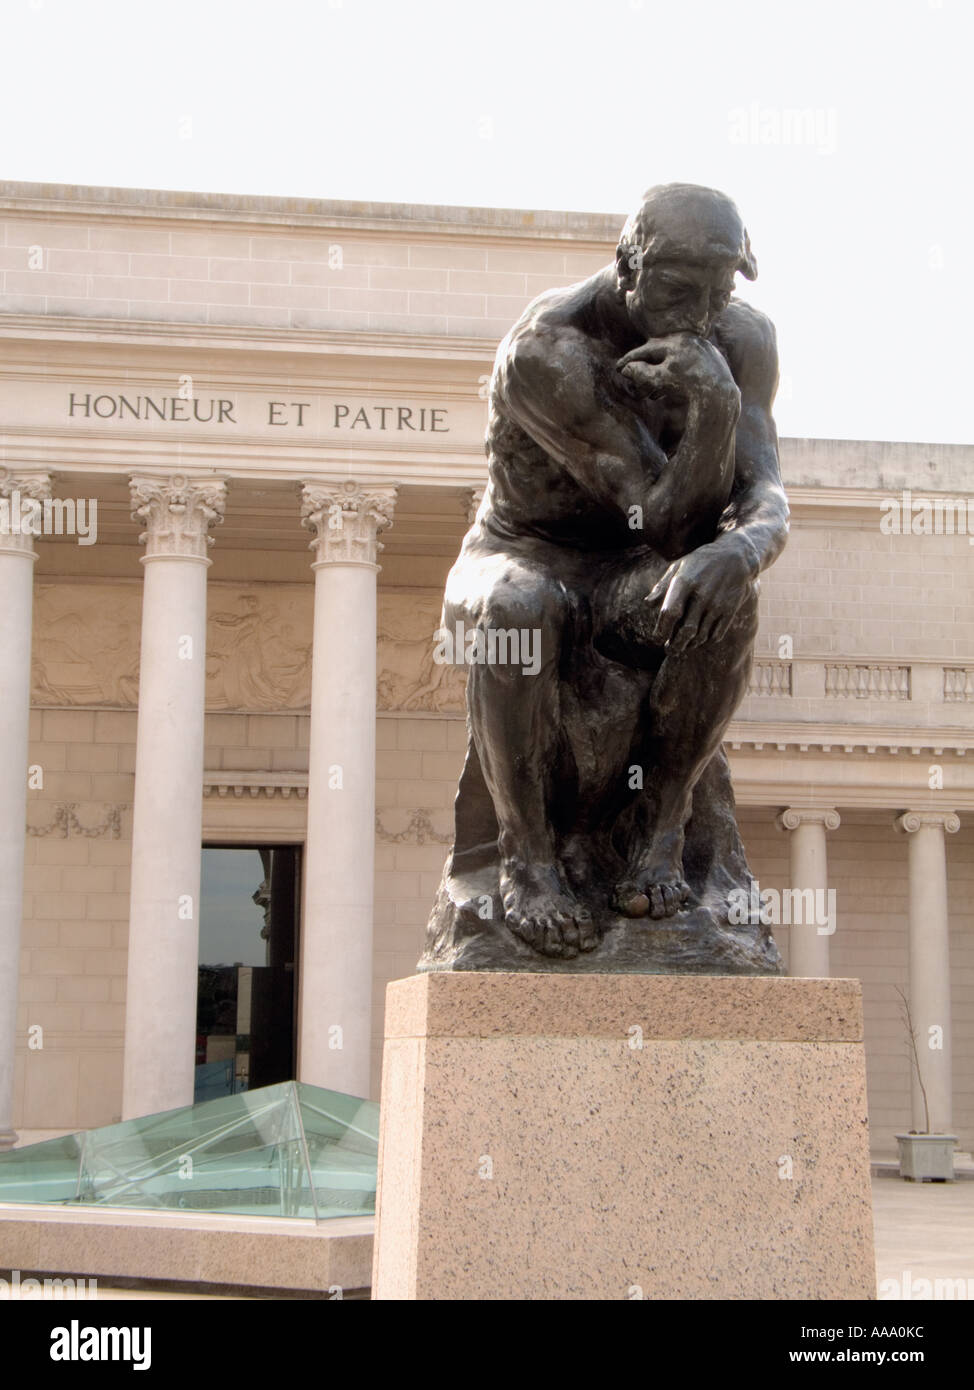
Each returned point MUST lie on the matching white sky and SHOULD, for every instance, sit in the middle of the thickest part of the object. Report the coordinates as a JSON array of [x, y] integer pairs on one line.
[[862, 231]]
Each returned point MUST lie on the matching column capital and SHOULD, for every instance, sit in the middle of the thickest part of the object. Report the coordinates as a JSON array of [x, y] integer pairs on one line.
[[475, 495], [23, 493], [911, 821], [794, 816], [346, 519], [177, 511]]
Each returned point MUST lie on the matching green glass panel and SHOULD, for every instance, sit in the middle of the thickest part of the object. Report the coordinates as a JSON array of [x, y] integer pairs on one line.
[[224, 1155], [46, 1172], [342, 1137], [286, 1150]]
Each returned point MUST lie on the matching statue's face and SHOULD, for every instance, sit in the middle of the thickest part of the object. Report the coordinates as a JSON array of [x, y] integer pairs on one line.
[[679, 295], [692, 243]]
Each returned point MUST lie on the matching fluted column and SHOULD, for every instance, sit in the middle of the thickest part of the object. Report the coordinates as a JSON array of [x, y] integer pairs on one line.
[[808, 953], [930, 962], [167, 826], [336, 950], [18, 491]]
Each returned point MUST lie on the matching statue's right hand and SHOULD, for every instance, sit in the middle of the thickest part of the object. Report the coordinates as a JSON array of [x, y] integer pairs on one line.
[[679, 365]]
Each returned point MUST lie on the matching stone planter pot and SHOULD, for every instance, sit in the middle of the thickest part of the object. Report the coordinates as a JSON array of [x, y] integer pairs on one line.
[[927, 1156]]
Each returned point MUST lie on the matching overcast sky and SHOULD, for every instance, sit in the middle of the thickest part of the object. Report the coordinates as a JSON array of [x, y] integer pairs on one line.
[[859, 211]]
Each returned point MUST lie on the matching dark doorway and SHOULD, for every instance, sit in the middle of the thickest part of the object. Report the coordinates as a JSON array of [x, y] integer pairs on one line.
[[247, 990]]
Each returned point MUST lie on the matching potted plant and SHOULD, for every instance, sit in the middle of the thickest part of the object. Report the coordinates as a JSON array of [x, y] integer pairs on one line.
[[923, 1154]]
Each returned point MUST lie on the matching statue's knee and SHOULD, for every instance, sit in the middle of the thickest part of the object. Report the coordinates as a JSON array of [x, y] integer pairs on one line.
[[526, 602]]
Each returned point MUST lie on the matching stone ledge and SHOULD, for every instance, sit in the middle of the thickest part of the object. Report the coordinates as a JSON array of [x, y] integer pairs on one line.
[[267, 1252], [666, 1007]]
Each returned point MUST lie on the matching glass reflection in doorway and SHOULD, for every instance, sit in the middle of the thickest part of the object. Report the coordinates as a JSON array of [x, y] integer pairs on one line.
[[245, 1006]]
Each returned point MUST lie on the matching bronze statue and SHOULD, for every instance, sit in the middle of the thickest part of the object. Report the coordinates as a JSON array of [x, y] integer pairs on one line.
[[605, 602]]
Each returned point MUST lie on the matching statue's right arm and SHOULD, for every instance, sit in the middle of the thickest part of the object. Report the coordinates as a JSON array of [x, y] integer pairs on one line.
[[550, 380]]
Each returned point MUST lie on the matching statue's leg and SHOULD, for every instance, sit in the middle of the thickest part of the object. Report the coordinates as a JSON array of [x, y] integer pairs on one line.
[[692, 699], [513, 714]]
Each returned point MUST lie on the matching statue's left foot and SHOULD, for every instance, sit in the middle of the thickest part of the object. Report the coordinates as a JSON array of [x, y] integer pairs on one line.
[[656, 888]]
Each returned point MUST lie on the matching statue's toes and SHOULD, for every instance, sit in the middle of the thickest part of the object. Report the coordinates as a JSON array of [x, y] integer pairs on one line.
[[588, 936], [657, 902], [666, 899], [528, 929], [671, 898], [630, 900], [569, 934], [554, 942], [583, 928]]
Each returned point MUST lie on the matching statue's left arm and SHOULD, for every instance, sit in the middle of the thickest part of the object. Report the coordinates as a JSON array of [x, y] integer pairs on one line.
[[757, 514], [705, 588]]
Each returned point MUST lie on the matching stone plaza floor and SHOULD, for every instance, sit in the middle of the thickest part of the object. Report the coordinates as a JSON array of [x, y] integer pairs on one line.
[[923, 1231]]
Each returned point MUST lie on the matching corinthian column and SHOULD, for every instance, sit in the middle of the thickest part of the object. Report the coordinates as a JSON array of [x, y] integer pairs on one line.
[[18, 491], [930, 962], [808, 947], [167, 826], [336, 951]]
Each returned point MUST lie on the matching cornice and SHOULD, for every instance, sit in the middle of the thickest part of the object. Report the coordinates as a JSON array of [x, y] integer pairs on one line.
[[297, 216], [870, 740], [70, 328]]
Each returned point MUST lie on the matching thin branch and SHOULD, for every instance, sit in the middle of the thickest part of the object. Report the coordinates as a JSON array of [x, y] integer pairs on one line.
[[908, 1021]]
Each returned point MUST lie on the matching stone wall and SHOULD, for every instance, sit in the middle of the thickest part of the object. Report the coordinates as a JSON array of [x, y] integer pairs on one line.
[[418, 275], [76, 910]]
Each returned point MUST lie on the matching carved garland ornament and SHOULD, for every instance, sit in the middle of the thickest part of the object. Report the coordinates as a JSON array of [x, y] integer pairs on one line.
[[65, 823]]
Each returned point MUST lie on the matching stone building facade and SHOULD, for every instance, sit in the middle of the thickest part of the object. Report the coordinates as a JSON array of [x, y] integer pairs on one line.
[[224, 376]]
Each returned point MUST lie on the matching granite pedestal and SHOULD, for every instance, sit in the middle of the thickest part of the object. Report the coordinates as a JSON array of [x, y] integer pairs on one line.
[[622, 1137]]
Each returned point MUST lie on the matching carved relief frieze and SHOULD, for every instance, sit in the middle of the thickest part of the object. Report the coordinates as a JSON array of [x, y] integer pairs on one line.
[[409, 678], [258, 659]]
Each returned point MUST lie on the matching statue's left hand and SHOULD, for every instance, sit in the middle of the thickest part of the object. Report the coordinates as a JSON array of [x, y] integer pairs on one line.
[[703, 592]]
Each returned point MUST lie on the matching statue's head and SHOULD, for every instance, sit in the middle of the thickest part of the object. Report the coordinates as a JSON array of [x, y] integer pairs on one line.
[[677, 258]]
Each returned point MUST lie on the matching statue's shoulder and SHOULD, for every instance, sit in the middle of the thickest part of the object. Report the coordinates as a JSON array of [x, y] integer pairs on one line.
[[748, 340], [545, 345], [557, 313]]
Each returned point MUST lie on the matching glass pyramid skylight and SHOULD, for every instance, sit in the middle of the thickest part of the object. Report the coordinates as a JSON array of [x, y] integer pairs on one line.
[[286, 1150]]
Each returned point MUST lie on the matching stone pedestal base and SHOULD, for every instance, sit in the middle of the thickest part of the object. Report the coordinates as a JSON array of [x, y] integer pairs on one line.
[[621, 1137]]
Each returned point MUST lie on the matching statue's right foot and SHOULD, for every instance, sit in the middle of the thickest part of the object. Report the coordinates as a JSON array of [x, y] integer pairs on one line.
[[542, 911]]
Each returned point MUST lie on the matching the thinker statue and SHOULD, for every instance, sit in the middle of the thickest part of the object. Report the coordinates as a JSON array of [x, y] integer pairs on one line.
[[634, 497]]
